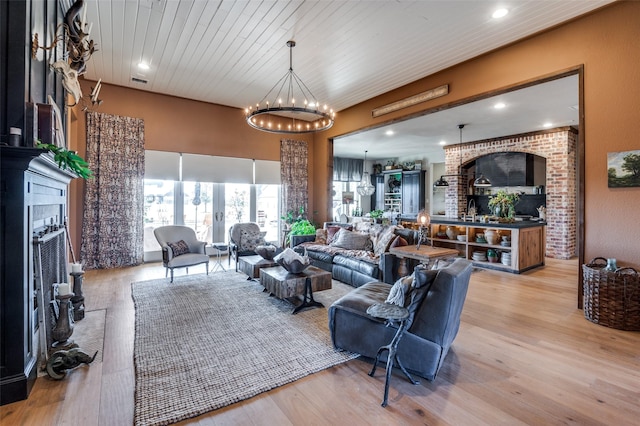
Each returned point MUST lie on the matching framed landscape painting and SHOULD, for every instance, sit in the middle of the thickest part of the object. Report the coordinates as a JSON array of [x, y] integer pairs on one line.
[[623, 169]]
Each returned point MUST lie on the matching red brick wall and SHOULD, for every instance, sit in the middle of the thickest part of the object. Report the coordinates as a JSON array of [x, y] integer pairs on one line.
[[559, 148]]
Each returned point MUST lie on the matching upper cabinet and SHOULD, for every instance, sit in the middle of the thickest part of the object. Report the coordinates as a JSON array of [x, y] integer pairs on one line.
[[512, 169], [412, 192]]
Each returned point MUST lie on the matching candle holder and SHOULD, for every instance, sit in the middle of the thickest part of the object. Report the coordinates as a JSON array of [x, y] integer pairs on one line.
[[78, 299], [64, 324]]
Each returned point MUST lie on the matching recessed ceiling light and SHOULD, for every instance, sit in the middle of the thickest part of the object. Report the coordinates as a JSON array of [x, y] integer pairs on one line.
[[499, 105], [143, 66], [500, 13], [389, 132], [547, 125], [443, 142]]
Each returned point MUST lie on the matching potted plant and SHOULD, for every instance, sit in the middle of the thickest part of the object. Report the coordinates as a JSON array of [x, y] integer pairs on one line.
[[503, 204], [68, 160], [300, 227], [376, 215]]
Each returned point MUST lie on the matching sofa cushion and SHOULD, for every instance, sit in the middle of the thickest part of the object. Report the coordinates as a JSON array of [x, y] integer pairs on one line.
[[249, 240], [178, 248], [320, 255], [355, 264], [350, 240], [359, 299]]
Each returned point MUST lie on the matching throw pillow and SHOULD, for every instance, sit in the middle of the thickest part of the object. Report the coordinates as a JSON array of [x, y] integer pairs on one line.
[[384, 241], [332, 230], [399, 242], [442, 263], [179, 248], [321, 236], [250, 240], [400, 291], [422, 280], [350, 240]]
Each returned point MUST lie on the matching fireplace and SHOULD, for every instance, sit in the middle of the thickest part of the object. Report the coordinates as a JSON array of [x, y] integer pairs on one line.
[[32, 212]]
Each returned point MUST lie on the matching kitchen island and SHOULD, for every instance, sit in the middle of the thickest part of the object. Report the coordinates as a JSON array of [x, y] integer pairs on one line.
[[520, 245]]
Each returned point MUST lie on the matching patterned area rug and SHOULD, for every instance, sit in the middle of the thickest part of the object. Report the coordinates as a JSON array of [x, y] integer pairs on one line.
[[205, 342]]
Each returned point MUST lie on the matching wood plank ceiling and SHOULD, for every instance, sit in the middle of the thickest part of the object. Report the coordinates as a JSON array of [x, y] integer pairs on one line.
[[232, 52]]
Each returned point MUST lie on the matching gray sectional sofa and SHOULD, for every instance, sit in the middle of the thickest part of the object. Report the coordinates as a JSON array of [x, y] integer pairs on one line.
[[351, 263]]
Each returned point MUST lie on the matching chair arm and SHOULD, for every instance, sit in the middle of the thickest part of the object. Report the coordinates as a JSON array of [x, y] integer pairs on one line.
[[202, 247], [167, 254], [299, 239], [387, 267]]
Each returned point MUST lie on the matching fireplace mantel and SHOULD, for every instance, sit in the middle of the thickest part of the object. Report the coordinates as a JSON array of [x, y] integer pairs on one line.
[[34, 193]]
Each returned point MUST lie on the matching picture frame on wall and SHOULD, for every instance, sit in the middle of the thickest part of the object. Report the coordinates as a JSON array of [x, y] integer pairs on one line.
[[623, 169], [60, 139], [347, 197]]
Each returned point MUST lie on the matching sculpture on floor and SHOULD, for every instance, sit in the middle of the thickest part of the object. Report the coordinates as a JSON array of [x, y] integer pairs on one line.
[[61, 361]]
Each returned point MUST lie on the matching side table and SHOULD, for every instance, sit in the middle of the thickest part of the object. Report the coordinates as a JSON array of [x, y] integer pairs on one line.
[[392, 314], [219, 247]]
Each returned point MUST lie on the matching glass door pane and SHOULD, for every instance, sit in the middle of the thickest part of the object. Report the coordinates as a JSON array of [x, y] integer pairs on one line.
[[267, 211], [158, 209], [198, 209], [237, 203]]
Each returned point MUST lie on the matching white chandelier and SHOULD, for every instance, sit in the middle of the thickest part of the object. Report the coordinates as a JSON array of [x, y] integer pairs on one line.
[[278, 112], [365, 188]]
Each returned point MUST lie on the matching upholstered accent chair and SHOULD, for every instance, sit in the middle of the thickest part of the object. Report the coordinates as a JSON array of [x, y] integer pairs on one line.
[[180, 248], [435, 306], [243, 240]]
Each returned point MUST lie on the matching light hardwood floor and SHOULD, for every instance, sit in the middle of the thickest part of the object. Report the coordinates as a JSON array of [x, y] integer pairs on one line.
[[524, 355]]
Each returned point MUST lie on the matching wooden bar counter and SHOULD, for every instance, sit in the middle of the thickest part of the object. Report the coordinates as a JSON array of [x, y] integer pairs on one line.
[[526, 249]]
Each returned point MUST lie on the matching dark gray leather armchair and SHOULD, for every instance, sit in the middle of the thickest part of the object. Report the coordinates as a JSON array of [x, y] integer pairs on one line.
[[435, 311], [169, 235]]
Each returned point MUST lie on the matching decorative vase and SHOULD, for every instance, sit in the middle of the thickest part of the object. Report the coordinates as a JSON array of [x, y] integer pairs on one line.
[[492, 256], [452, 232], [492, 236], [611, 265]]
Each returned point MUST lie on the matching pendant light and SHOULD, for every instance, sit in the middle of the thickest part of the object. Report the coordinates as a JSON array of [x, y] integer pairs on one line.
[[365, 188], [481, 181]]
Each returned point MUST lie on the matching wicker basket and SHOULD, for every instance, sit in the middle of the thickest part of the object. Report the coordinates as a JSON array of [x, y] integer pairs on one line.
[[611, 298]]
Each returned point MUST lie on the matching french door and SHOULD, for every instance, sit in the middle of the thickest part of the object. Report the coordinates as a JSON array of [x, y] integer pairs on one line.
[[209, 209]]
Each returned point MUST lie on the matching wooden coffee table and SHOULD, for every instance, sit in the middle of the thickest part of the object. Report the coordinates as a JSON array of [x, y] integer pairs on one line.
[[424, 254], [285, 285], [251, 265]]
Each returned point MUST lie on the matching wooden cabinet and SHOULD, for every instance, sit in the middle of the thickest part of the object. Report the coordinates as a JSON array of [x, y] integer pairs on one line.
[[393, 191], [377, 199], [402, 192], [525, 250], [412, 192]]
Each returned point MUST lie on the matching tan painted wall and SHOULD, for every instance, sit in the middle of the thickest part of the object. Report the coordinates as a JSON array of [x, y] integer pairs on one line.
[[606, 43], [178, 125]]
